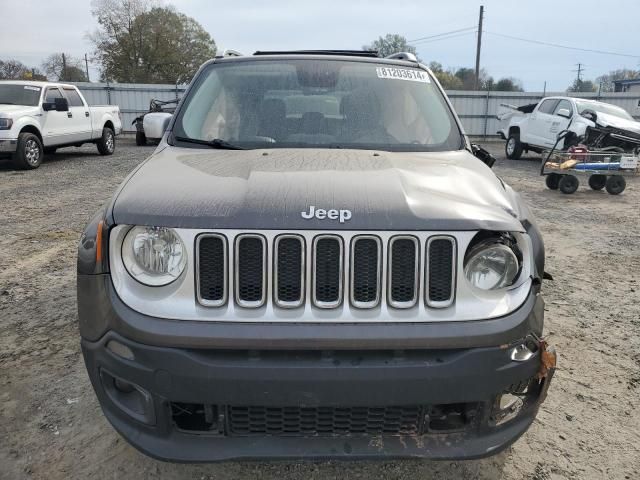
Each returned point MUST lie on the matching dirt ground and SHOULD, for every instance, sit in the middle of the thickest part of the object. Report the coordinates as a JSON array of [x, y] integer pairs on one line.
[[51, 426]]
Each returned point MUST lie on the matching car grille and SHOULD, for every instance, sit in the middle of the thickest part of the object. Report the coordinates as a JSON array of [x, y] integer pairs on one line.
[[361, 268], [295, 421]]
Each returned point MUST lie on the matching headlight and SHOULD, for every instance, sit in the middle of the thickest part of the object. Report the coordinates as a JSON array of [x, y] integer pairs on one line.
[[6, 123], [154, 256], [492, 264]]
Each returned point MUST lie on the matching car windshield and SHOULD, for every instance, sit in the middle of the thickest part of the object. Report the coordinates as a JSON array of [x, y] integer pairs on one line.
[[318, 104], [603, 108], [14, 94]]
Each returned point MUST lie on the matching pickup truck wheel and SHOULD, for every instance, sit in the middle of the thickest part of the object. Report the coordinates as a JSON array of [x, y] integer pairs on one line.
[[107, 144], [141, 139], [513, 149], [568, 184], [552, 181], [597, 182], [616, 184], [29, 152]]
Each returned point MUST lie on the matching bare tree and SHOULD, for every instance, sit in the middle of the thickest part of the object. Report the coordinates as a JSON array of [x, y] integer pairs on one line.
[[62, 67], [16, 70]]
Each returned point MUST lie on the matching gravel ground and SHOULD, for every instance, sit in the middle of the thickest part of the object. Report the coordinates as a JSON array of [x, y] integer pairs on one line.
[[51, 426]]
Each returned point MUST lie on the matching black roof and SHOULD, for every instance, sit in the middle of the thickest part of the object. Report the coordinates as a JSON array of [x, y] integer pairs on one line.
[[342, 53]]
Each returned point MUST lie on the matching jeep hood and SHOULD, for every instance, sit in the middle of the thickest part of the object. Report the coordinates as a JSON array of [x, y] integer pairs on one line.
[[268, 189]]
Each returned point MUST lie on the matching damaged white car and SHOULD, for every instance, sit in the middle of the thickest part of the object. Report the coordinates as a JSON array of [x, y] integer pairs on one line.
[[597, 125]]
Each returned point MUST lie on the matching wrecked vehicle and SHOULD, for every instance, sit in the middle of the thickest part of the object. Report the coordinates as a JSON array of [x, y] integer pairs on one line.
[[150, 126], [315, 263], [596, 125]]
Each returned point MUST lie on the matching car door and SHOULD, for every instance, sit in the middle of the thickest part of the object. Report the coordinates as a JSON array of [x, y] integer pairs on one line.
[[55, 124], [561, 117], [540, 121], [79, 119]]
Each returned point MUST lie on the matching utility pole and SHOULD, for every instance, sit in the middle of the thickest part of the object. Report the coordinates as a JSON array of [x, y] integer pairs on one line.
[[578, 84], [64, 68], [479, 45], [86, 66]]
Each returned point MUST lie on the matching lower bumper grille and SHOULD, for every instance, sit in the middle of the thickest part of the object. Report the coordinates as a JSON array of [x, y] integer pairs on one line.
[[295, 421]]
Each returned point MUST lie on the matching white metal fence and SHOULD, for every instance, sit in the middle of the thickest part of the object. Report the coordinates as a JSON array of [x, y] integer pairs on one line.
[[477, 110]]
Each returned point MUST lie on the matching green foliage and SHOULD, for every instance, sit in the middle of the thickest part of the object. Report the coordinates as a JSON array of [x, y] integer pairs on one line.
[[582, 86], [140, 42], [389, 44]]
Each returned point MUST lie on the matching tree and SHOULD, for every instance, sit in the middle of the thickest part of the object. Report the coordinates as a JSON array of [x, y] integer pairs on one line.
[[446, 78], [16, 70], [606, 81], [62, 67], [468, 76], [139, 41], [389, 44], [508, 84], [582, 86]]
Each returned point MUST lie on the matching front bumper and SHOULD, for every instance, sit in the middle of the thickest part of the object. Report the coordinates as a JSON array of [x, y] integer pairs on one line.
[[174, 373], [8, 145]]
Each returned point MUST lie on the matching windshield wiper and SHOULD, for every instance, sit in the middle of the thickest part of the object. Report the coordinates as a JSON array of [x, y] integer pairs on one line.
[[215, 143]]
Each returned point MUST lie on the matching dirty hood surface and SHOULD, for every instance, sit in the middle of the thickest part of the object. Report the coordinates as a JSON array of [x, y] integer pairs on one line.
[[268, 189]]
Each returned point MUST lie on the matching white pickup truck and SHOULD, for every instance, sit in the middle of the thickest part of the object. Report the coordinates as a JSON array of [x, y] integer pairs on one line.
[[40, 117], [598, 125]]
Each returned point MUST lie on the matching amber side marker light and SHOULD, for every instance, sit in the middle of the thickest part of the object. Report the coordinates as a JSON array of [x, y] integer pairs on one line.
[[99, 242]]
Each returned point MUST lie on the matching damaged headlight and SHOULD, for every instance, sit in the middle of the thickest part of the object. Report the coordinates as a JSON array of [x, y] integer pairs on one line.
[[493, 263], [154, 256]]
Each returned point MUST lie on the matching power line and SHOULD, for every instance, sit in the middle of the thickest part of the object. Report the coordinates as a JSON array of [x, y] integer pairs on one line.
[[567, 47], [440, 34], [445, 38]]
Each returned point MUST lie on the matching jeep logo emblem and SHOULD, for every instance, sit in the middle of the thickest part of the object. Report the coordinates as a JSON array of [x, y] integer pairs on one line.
[[321, 214]]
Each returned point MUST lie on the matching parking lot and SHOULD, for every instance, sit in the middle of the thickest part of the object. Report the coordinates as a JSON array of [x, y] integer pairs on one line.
[[589, 427]]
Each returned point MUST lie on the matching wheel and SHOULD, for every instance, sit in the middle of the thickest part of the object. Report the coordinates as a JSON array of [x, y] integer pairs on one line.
[[568, 184], [107, 144], [50, 150], [513, 149], [616, 184], [141, 139], [29, 152], [552, 181], [597, 182]]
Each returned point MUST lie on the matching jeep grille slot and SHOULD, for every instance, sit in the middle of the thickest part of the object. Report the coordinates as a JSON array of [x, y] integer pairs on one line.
[[251, 271], [403, 271], [327, 271], [211, 258], [440, 275], [289, 271], [366, 269]]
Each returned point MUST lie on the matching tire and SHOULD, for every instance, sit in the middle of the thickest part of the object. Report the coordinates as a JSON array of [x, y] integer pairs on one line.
[[50, 150], [552, 181], [29, 152], [513, 148], [616, 184], [107, 143], [568, 184], [597, 182], [141, 139]]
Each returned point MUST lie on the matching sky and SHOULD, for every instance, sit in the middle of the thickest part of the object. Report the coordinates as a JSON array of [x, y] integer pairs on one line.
[[33, 29]]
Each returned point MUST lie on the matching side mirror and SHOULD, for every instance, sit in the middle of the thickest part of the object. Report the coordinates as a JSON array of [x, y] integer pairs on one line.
[[564, 112], [483, 155], [59, 104], [62, 104]]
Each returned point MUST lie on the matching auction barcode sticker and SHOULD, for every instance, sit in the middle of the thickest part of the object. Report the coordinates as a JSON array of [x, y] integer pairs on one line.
[[403, 74]]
